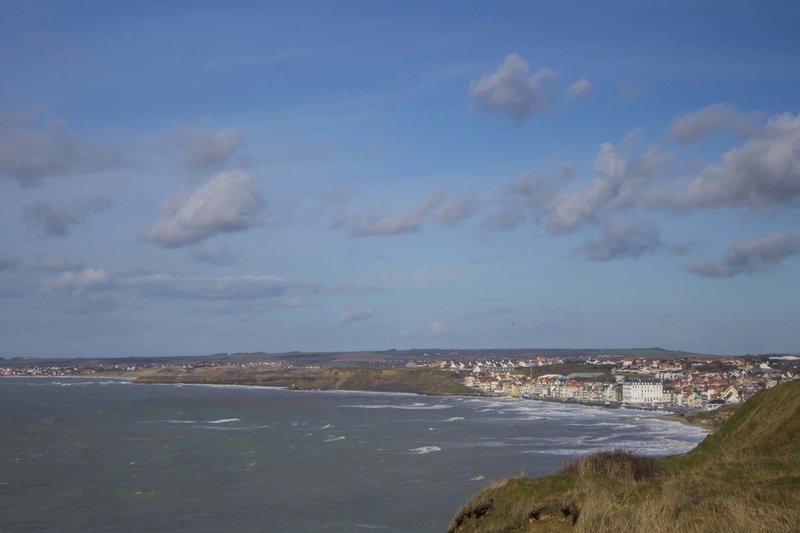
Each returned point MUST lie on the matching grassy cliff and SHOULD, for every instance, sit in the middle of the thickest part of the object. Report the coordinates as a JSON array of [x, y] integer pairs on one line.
[[743, 478], [421, 381]]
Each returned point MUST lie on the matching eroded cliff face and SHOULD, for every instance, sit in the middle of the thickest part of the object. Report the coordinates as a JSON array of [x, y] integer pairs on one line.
[[421, 381]]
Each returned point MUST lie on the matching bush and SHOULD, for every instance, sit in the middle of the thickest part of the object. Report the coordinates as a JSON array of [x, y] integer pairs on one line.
[[618, 463]]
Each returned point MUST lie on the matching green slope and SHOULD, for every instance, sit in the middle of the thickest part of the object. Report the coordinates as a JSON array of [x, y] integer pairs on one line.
[[421, 381], [744, 478]]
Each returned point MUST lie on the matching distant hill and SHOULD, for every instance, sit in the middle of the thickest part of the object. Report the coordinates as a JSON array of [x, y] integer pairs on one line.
[[420, 381], [743, 478], [356, 358]]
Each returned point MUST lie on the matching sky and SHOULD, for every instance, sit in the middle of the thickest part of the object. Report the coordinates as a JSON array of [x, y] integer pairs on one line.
[[201, 177]]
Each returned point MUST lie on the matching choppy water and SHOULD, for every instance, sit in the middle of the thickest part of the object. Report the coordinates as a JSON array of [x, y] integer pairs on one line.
[[106, 455]]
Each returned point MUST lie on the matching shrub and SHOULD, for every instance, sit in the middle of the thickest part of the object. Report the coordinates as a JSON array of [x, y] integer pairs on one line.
[[618, 463]]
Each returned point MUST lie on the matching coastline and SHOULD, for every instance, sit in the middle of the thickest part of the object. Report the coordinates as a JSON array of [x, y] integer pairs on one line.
[[707, 420]]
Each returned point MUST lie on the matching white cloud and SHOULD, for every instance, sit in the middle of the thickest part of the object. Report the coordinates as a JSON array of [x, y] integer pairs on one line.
[[624, 239], [76, 283], [632, 136], [438, 206], [761, 254], [512, 91], [354, 315], [579, 89], [55, 219], [373, 223], [705, 122], [764, 171], [204, 149], [436, 328], [450, 210], [569, 210], [228, 202], [31, 156], [618, 185]]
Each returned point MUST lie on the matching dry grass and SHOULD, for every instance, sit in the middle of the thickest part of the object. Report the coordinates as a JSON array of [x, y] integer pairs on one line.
[[619, 464], [744, 479]]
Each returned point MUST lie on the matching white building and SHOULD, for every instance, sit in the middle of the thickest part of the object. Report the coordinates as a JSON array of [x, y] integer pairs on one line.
[[642, 391]]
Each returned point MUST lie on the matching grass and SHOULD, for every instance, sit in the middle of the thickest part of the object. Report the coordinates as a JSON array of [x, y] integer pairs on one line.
[[744, 478], [423, 381]]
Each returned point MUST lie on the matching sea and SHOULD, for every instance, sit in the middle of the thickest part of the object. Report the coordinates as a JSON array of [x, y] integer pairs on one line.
[[93, 454]]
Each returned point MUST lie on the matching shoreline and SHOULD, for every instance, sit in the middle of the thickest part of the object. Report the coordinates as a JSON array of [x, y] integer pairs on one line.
[[692, 419]]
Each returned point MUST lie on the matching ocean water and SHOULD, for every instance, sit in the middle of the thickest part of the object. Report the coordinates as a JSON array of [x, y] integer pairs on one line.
[[107, 455]]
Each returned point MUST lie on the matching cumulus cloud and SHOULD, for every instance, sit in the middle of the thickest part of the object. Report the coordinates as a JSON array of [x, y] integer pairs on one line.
[[438, 206], [450, 210], [527, 194], [632, 136], [55, 219], [60, 264], [761, 254], [537, 190], [373, 223], [31, 156], [436, 328], [618, 185], [512, 91], [354, 315], [624, 239], [569, 210], [228, 202], [705, 122], [505, 218], [764, 171], [220, 257], [579, 89], [75, 283], [204, 149]]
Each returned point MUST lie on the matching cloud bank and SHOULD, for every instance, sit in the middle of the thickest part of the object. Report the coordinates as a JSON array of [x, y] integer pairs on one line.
[[761, 254]]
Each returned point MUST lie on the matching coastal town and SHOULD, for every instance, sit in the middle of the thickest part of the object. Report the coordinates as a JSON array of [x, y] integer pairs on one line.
[[692, 383]]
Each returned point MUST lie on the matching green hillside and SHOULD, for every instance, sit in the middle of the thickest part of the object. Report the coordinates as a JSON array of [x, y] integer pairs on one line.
[[744, 478], [421, 381]]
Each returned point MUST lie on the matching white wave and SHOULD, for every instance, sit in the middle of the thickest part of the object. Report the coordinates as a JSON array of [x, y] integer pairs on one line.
[[223, 421], [478, 478], [326, 426], [411, 407], [334, 439], [453, 419], [425, 449]]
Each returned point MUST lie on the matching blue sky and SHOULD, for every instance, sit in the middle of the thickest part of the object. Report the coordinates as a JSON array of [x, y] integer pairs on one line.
[[201, 177]]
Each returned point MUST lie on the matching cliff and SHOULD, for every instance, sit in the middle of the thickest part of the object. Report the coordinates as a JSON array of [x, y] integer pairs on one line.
[[743, 478], [420, 381]]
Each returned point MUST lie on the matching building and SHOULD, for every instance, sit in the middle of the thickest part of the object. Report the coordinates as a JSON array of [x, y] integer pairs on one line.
[[642, 392]]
